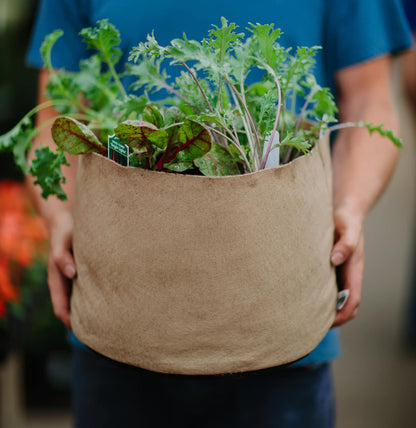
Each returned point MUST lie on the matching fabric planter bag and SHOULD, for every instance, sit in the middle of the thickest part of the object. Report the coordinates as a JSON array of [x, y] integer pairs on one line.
[[203, 275]]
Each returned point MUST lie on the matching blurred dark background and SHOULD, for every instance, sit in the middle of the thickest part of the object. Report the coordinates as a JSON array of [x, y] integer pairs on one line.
[[39, 339], [17, 82]]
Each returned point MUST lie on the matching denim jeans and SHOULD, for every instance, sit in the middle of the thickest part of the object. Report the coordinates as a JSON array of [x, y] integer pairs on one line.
[[115, 395]]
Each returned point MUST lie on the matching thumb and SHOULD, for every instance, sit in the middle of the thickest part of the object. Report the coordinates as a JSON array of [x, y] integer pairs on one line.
[[68, 269], [346, 243], [61, 245], [66, 264]]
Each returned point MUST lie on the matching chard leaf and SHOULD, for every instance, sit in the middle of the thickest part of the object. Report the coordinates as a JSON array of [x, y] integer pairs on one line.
[[74, 137], [217, 162], [138, 134], [194, 141], [172, 132], [46, 168], [179, 166], [47, 45], [152, 115], [173, 115]]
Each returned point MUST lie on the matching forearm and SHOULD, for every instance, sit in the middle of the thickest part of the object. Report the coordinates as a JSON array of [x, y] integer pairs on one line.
[[362, 167], [363, 164], [57, 214], [52, 208]]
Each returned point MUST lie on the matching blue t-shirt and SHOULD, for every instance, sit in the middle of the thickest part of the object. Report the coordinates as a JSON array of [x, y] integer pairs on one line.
[[350, 31]]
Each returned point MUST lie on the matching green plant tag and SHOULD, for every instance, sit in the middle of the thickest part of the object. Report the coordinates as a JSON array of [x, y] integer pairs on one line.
[[117, 151]]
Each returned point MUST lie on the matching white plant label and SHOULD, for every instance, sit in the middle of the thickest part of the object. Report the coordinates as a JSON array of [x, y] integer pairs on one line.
[[274, 156]]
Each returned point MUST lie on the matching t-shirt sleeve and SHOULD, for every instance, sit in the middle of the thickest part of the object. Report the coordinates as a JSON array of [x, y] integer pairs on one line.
[[360, 30], [69, 15]]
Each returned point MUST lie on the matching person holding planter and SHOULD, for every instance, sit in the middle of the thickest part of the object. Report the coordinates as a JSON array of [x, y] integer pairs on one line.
[[356, 64]]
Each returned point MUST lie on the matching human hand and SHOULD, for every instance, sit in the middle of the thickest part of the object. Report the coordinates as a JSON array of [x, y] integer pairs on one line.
[[348, 257], [61, 265]]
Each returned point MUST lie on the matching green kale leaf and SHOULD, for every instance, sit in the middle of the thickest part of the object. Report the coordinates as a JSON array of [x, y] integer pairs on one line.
[[46, 168]]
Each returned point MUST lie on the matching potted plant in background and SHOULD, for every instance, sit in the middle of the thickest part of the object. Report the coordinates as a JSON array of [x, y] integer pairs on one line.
[[180, 273]]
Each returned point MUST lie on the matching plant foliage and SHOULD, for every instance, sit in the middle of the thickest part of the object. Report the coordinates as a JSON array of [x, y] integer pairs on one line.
[[210, 119]]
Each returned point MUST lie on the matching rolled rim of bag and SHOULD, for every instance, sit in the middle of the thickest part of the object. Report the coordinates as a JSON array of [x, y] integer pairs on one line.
[[204, 275]]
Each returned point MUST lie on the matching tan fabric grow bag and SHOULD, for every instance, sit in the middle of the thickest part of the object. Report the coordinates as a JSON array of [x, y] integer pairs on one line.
[[204, 275]]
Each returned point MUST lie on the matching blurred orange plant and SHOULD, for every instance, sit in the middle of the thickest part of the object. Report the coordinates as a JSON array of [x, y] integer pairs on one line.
[[23, 242]]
